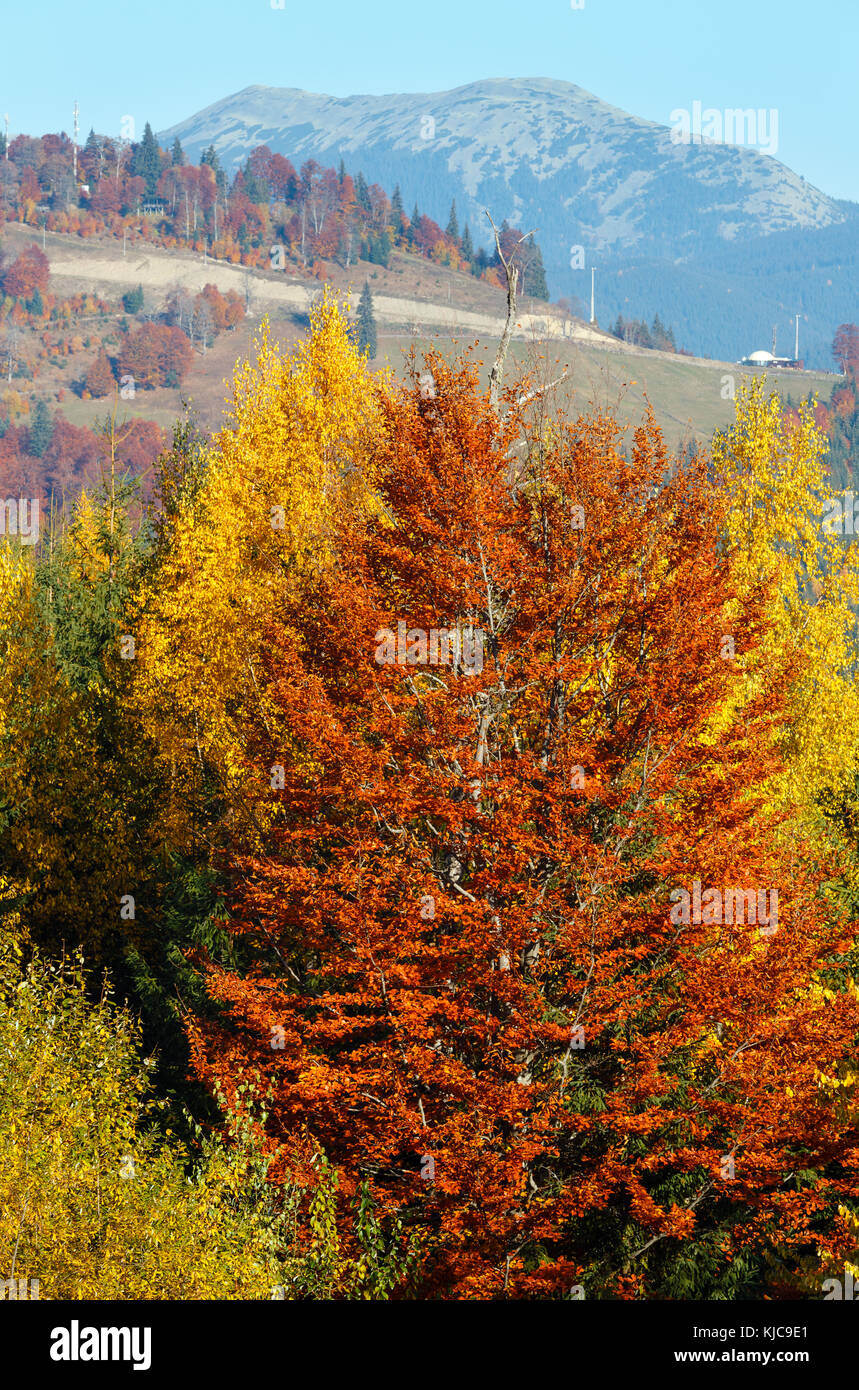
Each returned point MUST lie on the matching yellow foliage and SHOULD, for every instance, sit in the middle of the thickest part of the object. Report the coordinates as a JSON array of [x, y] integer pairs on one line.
[[299, 450], [92, 1204], [96, 1203], [775, 477]]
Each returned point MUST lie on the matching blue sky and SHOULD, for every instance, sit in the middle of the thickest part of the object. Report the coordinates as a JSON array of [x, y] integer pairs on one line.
[[162, 62]]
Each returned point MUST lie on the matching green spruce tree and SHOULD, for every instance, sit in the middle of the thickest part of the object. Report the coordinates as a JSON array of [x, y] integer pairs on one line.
[[41, 430], [452, 229], [397, 210], [467, 245], [177, 155], [413, 225], [534, 276], [379, 249], [210, 157], [362, 193], [255, 188], [132, 300], [146, 161], [366, 322]]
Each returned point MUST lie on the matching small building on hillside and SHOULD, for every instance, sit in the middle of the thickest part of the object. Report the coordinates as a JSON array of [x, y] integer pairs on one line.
[[757, 359], [768, 359]]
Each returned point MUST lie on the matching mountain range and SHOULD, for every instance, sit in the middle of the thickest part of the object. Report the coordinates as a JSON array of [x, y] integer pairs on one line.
[[721, 240]]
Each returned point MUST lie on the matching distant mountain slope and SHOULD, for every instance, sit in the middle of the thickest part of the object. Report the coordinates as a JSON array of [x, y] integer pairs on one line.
[[550, 155]]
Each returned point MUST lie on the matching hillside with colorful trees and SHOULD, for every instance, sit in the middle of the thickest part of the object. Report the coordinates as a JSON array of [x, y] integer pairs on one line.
[[269, 215], [42, 453], [128, 350], [312, 213], [838, 418], [430, 854]]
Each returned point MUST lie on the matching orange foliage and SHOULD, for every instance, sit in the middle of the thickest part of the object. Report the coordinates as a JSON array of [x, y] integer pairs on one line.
[[461, 931], [100, 380], [27, 273], [155, 354]]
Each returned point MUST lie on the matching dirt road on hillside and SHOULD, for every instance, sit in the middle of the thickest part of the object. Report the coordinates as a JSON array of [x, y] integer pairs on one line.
[[160, 271]]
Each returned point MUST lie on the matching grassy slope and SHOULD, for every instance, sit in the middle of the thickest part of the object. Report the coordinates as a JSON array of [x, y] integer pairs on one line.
[[686, 394]]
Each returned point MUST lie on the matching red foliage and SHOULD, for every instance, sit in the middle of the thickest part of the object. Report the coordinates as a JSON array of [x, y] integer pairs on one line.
[[72, 456], [71, 460], [20, 474], [155, 354], [426, 234], [260, 162], [29, 186], [845, 348], [843, 399], [320, 208], [227, 310], [106, 198], [29, 272], [282, 177], [100, 380], [141, 442]]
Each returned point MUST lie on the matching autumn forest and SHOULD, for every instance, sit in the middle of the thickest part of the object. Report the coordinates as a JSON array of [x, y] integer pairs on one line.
[[429, 854], [429, 689]]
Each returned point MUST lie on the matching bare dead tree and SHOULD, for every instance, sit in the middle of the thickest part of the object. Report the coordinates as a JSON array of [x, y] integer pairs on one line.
[[511, 272], [203, 324]]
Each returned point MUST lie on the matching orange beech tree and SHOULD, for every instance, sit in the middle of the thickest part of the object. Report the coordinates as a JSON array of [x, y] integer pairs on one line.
[[492, 967], [27, 273]]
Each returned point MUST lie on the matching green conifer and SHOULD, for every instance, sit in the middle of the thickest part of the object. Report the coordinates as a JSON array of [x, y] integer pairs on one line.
[[146, 161], [534, 277], [41, 430], [366, 322], [362, 193]]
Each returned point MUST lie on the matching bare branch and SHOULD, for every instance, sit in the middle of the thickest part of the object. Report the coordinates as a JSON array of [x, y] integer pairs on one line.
[[511, 271], [541, 390]]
